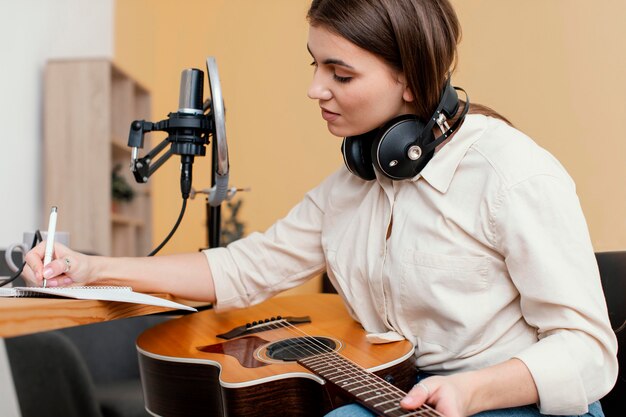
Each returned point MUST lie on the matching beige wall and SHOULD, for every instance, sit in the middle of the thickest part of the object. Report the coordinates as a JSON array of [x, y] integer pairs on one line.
[[552, 66], [555, 68], [277, 143]]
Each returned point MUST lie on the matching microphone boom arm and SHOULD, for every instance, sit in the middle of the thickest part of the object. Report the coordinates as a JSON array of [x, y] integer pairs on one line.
[[142, 168], [187, 134]]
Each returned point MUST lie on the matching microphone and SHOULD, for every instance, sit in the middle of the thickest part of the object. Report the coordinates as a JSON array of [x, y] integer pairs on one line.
[[188, 133], [191, 91], [189, 136]]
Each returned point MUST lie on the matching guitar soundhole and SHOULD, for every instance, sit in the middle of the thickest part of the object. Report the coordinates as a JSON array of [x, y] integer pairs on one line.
[[290, 350]]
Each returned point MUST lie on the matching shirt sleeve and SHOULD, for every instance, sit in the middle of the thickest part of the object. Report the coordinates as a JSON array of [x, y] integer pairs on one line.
[[542, 233], [252, 269]]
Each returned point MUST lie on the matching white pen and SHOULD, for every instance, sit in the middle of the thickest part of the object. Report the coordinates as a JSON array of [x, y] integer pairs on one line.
[[52, 226]]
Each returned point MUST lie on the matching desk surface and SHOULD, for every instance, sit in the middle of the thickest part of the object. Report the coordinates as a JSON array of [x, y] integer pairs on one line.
[[20, 316]]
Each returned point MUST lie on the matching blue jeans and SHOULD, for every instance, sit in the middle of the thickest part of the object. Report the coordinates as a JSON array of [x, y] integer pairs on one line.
[[355, 410]]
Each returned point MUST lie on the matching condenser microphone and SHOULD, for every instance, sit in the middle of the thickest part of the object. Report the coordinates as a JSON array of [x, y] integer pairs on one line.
[[188, 130], [188, 140]]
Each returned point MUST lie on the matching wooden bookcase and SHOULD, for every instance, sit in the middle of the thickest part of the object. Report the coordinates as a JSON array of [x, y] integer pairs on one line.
[[88, 108]]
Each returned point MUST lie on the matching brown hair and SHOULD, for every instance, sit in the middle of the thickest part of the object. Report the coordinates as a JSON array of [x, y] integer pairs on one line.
[[416, 37]]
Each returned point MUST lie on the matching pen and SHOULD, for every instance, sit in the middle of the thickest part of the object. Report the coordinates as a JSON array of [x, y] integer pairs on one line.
[[52, 225]]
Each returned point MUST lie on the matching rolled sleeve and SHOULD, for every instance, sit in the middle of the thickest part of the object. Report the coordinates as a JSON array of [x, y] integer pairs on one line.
[[558, 380], [229, 292], [542, 233], [261, 265]]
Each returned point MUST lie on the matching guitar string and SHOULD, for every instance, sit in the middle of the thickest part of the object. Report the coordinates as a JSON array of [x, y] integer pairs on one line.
[[317, 347]]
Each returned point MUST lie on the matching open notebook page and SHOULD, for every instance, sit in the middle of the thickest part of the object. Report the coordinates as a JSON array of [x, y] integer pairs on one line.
[[121, 294]]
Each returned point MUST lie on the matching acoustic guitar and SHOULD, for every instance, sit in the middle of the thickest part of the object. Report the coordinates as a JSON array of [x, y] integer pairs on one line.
[[289, 356]]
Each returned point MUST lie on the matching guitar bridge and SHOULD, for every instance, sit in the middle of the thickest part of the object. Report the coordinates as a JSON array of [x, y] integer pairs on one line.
[[262, 325]]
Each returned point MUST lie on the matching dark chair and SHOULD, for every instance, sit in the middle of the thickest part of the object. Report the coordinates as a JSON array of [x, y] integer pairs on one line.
[[50, 377], [612, 267], [84, 371], [109, 352]]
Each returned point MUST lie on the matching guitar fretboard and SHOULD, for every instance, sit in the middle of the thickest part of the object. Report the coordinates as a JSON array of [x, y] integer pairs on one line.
[[370, 390]]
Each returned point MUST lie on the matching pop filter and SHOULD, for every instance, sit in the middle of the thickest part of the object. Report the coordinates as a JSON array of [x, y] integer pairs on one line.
[[216, 113]]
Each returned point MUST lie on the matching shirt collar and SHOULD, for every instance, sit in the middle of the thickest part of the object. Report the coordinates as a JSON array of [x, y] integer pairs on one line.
[[441, 168]]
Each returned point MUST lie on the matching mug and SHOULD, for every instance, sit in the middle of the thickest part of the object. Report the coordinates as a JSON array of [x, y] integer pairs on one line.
[[24, 246]]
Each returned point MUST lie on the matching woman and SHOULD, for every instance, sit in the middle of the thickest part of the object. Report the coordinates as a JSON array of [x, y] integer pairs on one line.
[[481, 257]]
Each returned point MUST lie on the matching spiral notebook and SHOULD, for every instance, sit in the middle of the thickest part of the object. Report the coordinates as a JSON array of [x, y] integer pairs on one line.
[[121, 294]]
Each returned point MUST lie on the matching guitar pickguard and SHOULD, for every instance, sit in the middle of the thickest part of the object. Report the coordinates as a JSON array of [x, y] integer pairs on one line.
[[242, 349], [249, 349]]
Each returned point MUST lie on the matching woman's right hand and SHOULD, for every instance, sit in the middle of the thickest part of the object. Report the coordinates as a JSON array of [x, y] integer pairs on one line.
[[66, 269]]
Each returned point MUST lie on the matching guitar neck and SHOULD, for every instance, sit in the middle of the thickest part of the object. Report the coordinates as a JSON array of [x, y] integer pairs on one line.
[[369, 389]]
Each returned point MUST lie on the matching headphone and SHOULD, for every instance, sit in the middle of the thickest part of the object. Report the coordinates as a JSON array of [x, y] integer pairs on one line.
[[402, 147]]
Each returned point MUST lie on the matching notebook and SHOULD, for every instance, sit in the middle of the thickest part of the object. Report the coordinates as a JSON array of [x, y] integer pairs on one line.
[[121, 294]]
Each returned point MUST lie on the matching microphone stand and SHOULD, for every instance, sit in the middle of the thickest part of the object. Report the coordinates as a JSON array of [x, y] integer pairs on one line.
[[214, 219]]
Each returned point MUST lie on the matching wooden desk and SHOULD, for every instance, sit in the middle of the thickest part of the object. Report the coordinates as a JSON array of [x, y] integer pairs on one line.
[[20, 316]]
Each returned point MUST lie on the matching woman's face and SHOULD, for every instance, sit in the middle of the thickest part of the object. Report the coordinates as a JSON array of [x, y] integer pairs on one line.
[[357, 91]]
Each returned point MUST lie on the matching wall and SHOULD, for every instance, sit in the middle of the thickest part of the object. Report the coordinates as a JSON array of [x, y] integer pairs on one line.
[[33, 31], [550, 66], [278, 146], [555, 69]]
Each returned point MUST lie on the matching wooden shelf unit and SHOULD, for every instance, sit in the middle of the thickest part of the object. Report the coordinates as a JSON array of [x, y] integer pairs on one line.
[[88, 108]]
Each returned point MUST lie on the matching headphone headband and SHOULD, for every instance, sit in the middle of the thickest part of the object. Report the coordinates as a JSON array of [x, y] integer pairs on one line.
[[431, 146]]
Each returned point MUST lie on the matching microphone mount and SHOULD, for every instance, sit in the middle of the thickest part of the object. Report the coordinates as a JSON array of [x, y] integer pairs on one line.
[[188, 135]]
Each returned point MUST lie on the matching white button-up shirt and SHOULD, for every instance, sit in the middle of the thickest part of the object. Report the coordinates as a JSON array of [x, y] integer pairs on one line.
[[488, 257]]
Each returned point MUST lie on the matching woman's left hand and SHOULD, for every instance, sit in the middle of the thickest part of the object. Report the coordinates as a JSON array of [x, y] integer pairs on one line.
[[446, 394], [507, 384]]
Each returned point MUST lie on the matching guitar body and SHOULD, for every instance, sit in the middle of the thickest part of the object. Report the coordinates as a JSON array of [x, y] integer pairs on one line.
[[186, 370]]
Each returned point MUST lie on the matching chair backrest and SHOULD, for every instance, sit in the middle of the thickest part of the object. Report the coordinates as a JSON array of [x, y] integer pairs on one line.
[[108, 348], [612, 267], [50, 377]]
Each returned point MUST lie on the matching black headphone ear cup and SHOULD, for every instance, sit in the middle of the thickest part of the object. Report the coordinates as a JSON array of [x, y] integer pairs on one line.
[[357, 156], [391, 146]]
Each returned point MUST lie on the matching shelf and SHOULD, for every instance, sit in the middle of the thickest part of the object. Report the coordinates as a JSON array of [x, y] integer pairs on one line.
[[120, 148], [121, 219], [88, 108]]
